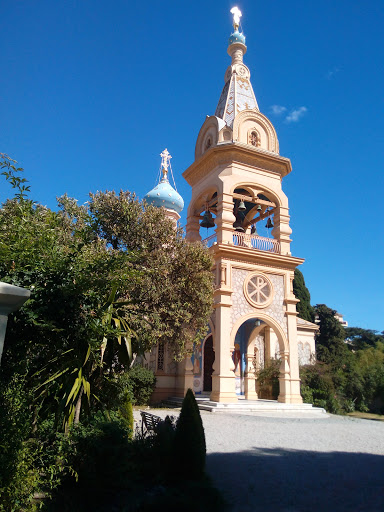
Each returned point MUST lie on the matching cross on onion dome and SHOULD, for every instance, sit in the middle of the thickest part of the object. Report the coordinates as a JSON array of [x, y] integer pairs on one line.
[[258, 289], [165, 158]]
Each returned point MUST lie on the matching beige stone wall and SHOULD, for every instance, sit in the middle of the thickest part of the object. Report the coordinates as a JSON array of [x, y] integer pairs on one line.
[[241, 307], [306, 346]]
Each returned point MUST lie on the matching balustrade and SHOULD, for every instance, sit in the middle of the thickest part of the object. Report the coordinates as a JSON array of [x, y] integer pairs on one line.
[[256, 242], [260, 243]]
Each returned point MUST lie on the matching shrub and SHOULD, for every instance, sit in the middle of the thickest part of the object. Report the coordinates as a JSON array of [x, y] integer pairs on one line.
[[268, 379], [189, 445], [142, 382], [18, 477], [306, 393], [97, 464], [126, 412]]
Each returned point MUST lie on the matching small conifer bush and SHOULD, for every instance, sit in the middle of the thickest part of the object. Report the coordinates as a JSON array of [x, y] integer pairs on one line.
[[126, 412], [189, 445]]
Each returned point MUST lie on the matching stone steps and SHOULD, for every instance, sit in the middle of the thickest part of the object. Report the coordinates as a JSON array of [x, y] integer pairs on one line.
[[262, 407]]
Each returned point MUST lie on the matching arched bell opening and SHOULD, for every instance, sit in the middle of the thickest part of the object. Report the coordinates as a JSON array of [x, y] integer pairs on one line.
[[254, 212], [206, 213], [260, 358]]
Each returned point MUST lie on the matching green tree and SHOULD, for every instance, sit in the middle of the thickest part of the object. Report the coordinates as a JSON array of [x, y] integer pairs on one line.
[[330, 339], [189, 443], [304, 308], [363, 338], [108, 278]]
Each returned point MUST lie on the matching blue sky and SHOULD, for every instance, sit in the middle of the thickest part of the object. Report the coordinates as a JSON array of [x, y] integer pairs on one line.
[[91, 92]]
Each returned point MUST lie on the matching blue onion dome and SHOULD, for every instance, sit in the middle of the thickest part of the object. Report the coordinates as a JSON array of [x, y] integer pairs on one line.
[[236, 37], [165, 195]]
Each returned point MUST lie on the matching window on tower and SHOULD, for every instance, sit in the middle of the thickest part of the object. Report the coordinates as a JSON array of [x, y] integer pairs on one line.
[[160, 357], [254, 139]]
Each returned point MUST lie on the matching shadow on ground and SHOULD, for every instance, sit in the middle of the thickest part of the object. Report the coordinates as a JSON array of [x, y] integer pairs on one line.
[[299, 481]]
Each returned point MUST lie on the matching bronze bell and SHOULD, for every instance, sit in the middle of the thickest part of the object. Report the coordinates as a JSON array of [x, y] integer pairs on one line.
[[207, 221], [237, 223], [259, 208], [254, 230], [241, 207], [269, 224]]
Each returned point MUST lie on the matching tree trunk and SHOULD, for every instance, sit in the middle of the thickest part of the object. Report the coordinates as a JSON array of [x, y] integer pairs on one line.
[[78, 406]]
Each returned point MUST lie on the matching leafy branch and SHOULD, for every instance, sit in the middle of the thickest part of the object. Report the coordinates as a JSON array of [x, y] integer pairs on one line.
[[12, 177]]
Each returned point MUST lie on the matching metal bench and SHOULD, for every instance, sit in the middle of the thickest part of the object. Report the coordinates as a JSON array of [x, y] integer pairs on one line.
[[149, 421]]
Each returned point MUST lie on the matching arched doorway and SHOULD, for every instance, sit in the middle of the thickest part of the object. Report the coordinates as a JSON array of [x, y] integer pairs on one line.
[[208, 360], [258, 342]]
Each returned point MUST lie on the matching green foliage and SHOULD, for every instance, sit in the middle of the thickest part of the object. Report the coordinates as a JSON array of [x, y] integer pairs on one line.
[[363, 338], [142, 383], [358, 384], [304, 308], [108, 280], [268, 379], [18, 479], [106, 471], [190, 448], [317, 387], [330, 339], [126, 412], [13, 178]]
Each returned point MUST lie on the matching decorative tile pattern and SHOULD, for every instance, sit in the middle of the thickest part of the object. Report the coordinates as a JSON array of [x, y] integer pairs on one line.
[[241, 307], [222, 101], [245, 97], [229, 114]]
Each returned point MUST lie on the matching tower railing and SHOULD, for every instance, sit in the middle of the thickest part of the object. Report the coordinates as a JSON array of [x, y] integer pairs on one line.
[[251, 241], [256, 242]]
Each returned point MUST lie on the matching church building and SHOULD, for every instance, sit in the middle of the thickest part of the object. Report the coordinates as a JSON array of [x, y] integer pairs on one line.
[[237, 195]]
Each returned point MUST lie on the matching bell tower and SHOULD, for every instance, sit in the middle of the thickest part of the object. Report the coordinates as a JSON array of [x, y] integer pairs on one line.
[[236, 182]]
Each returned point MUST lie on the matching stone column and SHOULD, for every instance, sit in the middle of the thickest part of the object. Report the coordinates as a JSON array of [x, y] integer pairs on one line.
[[291, 315], [293, 353], [192, 229], [223, 379], [281, 230], [225, 219], [284, 381], [249, 377], [11, 299]]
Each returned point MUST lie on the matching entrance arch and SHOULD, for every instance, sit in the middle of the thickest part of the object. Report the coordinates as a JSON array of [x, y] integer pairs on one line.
[[241, 336], [282, 339]]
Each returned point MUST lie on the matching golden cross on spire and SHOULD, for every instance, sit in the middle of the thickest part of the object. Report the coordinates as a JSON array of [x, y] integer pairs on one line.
[[236, 17]]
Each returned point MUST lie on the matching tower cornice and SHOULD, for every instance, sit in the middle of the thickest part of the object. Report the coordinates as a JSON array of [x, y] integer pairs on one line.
[[232, 152], [275, 260]]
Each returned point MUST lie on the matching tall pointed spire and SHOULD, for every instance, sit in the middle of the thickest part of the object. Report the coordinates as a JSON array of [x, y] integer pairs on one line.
[[237, 94]]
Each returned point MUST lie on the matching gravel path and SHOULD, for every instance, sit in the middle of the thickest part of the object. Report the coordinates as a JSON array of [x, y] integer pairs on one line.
[[279, 464]]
